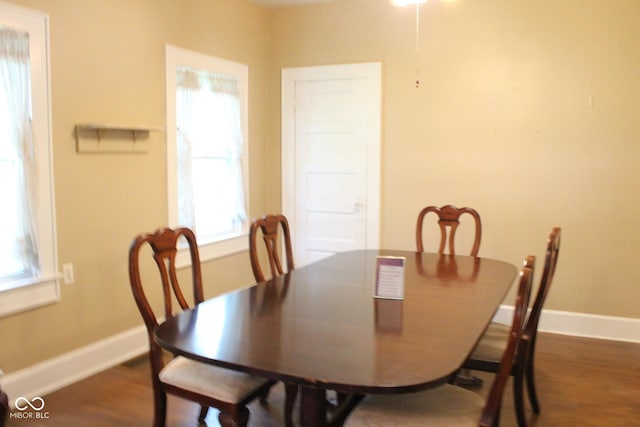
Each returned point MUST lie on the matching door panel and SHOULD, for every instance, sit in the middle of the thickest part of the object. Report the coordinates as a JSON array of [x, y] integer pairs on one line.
[[331, 164], [331, 161]]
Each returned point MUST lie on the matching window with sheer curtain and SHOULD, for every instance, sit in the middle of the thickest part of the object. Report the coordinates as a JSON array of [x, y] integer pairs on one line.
[[207, 149], [18, 248], [27, 236]]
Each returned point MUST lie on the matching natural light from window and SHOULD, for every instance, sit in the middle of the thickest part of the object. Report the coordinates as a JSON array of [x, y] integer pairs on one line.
[[28, 272], [207, 155]]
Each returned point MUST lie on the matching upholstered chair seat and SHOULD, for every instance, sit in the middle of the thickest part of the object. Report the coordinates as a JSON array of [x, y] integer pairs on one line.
[[220, 383], [493, 343], [449, 406]]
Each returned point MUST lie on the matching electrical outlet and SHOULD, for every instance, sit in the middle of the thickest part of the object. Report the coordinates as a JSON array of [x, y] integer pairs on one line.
[[67, 271]]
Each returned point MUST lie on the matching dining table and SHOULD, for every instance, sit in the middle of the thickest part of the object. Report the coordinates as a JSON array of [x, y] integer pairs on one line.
[[321, 327]]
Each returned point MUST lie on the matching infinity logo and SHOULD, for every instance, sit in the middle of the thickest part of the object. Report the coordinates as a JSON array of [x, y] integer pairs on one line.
[[22, 403]]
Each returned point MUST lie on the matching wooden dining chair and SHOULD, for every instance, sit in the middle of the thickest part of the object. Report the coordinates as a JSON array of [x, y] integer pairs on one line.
[[211, 386], [449, 405], [485, 356], [448, 221], [270, 226], [275, 232]]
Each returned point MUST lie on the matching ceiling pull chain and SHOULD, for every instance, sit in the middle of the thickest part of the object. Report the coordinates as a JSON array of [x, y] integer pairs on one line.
[[417, 45]]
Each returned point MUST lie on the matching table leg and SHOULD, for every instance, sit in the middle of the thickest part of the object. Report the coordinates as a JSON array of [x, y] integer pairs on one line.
[[313, 407]]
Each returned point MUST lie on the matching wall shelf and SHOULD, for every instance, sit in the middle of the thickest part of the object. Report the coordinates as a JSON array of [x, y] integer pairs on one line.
[[109, 138]]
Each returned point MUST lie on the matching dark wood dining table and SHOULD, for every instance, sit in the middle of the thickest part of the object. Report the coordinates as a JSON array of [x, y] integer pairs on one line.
[[320, 326]]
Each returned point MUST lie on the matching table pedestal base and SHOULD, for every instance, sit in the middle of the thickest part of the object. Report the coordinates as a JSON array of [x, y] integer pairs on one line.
[[313, 407]]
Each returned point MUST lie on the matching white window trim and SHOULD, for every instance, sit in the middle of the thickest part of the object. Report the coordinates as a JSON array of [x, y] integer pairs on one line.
[[174, 57], [44, 289]]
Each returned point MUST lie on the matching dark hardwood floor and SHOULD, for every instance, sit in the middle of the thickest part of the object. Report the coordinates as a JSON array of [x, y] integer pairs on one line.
[[581, 382]]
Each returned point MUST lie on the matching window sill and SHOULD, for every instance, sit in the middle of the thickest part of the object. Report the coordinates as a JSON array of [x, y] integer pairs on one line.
[[29, 295], [215, 250]]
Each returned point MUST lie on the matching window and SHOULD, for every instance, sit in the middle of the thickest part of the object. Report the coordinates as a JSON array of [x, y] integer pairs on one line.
[[207, 156], [28, 276]]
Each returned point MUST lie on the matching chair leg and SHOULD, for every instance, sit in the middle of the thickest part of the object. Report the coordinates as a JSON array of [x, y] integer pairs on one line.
[[531, 386], [291, 392], [203, 413], [263, 397], [239, 420], [496, 422], [518, 398], [160, 408]]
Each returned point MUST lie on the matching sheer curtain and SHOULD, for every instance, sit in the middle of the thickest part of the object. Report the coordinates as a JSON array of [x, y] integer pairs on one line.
[[228, 93], [17, 156], [186, 92], [209, 131]]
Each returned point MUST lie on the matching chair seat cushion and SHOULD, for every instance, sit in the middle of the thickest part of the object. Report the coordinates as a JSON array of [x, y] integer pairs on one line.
[[220, 383], [493, 343], [447, 405]]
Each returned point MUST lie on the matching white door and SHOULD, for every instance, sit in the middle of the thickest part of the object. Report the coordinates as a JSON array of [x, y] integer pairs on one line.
[[331, 163]]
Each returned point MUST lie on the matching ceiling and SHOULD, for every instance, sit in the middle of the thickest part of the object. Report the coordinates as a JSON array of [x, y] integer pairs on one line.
[[287, 2]]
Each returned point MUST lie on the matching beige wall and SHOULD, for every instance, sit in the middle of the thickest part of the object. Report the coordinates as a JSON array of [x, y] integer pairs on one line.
[[107, 65], [502, 122]]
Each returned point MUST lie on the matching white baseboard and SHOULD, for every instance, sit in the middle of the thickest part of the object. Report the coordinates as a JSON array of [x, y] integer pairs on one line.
[[53, 374], [581, 324]]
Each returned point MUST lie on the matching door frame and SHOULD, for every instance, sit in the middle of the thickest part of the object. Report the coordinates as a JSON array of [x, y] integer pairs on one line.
[[372, 73]]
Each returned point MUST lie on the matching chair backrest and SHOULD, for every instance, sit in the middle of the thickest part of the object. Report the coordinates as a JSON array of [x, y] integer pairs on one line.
[[448, 221], [491, 410], [550, 261], [164, 244], [270, 225]]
